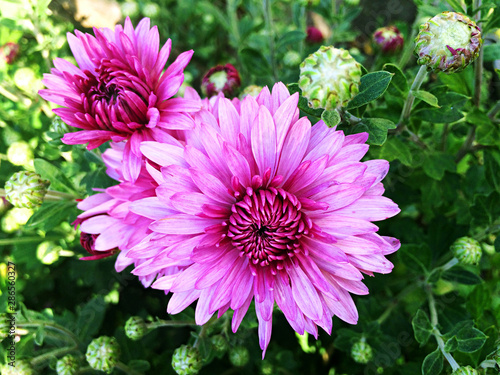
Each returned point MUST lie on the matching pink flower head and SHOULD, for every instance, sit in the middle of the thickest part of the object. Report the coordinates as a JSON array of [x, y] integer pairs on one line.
[[9, 52], [389, 39], [120, 91], [221, 78], [314, 35], [267, 209]]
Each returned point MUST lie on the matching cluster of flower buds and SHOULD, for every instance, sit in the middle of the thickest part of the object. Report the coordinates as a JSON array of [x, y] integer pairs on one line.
[[103, 354], [361, 352], [9, 52], [186, 360], [26, 189], [329, 78], [467, 250], [448, 42], [221, 78], [467, 370], [389, 39]]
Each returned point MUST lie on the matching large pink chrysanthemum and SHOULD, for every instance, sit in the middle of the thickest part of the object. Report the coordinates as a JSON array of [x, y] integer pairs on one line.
[[267, 209], [120, 91]]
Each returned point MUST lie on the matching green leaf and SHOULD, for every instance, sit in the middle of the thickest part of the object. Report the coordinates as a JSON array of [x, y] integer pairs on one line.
[[291, 37], [477, 117], [438, 115], [488, 134], [486, 209], [433, 363], [254, 61], [426, 97], [422, 327], [377, 129], [394, 149], [90, 318], [49, 215], [139, 365], [461, 275], [478, 300], [468, 339], [457, 7], [451, 345], [372, 86], [58, 181], [491, 52], [436, 164], [331, 118], [492, 168], [399, 83], [40, 335], [416, 257]]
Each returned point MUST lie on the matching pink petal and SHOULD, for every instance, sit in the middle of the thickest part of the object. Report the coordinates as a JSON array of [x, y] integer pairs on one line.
[[263, 136]]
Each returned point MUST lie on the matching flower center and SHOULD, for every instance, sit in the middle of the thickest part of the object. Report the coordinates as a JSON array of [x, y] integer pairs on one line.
[[266, 226]]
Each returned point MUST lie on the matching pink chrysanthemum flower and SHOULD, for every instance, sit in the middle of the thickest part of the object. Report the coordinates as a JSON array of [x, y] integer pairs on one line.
[[267, 209], [120, 91]]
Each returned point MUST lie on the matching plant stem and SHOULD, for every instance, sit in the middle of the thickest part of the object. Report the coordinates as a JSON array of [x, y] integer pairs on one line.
[[53, 195], [268, 15], [54, 353], [18, 240], [478, 65], [170, 323], [51, 326], [203, 332], [419, 78], [127, 370], [467, 146], [493, 111], [395, 302], [434, 321]]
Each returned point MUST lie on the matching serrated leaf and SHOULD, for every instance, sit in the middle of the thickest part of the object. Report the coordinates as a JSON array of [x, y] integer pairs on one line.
[[435, 165], [426, 97], [394, 149], [255, 62], [433, 363], [58, 180], [461, 275], [291, 37], [90, 318], [422, 327], [372, 87], [377, 129], [330, 118], [49, 215], [399, 83], [438, 115]]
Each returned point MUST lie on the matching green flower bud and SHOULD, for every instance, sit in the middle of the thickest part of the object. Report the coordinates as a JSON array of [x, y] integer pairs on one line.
[[252, 90], [20, 153], [103, 354], [15, 218], [219, 344], [292, 58], [448, 42], [26, 189], [361, 352], [239, 356], [67, 365], [59, 126], [135, 328], [21, 368], [329, 78], [186, 360], [4, 326], [465, 371], [467, 250], [130, 9], [151, 10]]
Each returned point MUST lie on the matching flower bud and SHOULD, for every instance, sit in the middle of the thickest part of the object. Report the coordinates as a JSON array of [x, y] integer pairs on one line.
[[221, 78], [292, 58], [87, 241], [219, 344], [15, 218], [448, 42], [135, 328], [389, 39], [22, 367], [26, 189], [361, 352], [129, 8], [186, 360], [67, 365], [9, 52], [239, 356], [151, 10], [103, 354], [20, 153], [252, 90], [329, 78], [467, 250], [59, 126], [468, 370], [314, 35]]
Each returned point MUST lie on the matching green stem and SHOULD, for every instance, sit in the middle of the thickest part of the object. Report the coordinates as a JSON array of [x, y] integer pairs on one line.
[[444, 136], [17, 240], [395, 302], [170, 323], [467, 146], [434, 321], [493, 111], [53, 327], [268, 15], [127, 370], [419, 78], [203, 332], [54, 353], [54, 195], [453, 262], [478, 64], [233, 20]]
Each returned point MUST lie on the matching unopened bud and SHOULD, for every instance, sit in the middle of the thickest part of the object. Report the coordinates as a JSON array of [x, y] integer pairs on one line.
[[22, 367], [314, 35], [292, 58], [151, 10], [59, 127], [186, 360], [20, 153], [9, 52], [103, 354], [329, 78], [221, 78], [26, 189], [135, 328], [67, 365], [389, 39], [361, 352], [467, 250], [239, 356], [252, 90], [448, 42], [219, 344], [4, 326], [467, 370]]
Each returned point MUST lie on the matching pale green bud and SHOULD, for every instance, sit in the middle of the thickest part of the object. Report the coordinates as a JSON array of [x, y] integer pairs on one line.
[[468, 370], [22, 367], [151, 10], [20, 153], [26, 189], [329, 78], [292, 58], [67, 365], [59, 126], [103, 354], [4, 326], [467, 250], [186, 360], [361, 352], [135, 328], [15, 218], [219, 344], [239, 356], [130, 9], [448, 42], [252, 90]]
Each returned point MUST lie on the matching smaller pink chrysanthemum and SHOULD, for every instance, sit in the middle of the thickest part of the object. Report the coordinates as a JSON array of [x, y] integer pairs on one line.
[[119, 91]]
